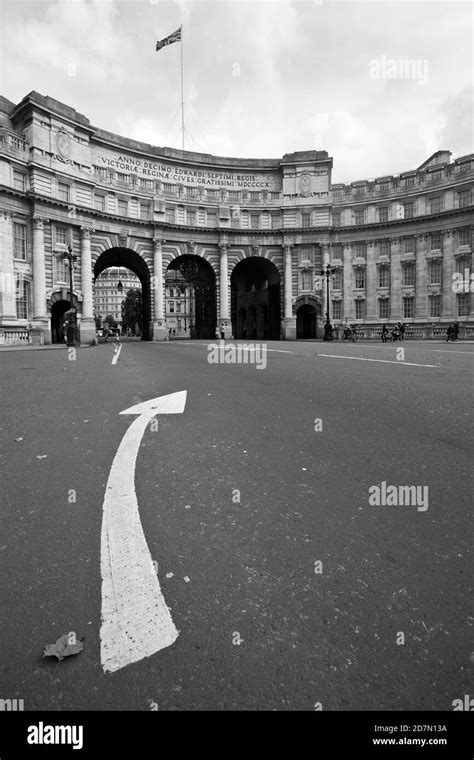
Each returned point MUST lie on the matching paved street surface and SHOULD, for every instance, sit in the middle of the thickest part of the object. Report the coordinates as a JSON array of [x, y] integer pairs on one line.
[[245, 571]]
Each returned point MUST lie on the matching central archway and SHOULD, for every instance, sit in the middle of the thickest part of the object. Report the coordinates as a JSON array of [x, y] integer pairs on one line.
[[255, 299], [124, 257]]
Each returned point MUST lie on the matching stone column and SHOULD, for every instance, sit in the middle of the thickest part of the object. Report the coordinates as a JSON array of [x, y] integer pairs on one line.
[[40, 332], [348, 275], [421, 280], [448, 297], [224, 316], [160, 331], [87, 325], [7, 270], [288, 326], [371, 274], [395, 281], [323, 292]]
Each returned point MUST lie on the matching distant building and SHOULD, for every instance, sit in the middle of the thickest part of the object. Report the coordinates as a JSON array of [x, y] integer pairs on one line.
[[237, 243], [107, 297]]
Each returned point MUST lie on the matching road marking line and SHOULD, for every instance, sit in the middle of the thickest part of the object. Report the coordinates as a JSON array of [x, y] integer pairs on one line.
[[384, 361], [116, 355], [136, 621]]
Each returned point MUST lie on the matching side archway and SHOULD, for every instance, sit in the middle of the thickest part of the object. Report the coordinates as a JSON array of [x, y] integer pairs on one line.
[[124, 257], [255, 299]]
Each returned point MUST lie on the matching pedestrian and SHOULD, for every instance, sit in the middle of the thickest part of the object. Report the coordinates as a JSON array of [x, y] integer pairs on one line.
[[449, 333], [456, 330], [106, 334], [217, 334], [222, 332], [402, 331], [384, 333]]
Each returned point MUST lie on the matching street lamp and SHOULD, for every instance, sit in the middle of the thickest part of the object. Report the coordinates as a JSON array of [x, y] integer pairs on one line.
[[72, 331], [328, 273]]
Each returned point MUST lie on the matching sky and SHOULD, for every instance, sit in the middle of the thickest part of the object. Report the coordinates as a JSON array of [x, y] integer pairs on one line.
[[261, 77]]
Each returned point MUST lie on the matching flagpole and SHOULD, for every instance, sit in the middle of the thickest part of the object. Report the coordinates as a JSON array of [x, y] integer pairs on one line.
[[182, 92]]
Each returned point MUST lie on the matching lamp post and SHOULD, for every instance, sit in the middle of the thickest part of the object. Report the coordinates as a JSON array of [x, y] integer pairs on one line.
[[72, 331], [328, 273]]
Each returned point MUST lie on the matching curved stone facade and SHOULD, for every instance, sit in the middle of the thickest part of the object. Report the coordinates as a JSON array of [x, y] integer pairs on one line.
[[260, 230]]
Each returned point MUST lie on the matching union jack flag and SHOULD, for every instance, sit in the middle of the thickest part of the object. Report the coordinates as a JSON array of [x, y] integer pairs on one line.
[[173, 37]]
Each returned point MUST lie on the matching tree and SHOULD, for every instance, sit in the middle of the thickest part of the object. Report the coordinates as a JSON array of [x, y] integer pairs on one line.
[[110, 320], [132, 310], [98, 322]]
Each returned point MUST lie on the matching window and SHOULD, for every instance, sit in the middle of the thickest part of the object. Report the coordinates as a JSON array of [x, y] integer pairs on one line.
[[305, 220], [191, 217], [305, 255], [63, 191], [360, 309], [408, 210], [336, 218], [384, 248], [384, 308], [359, 217], [169, 215], [178, 306], [384, 277], [254, 196], [359, 250], [462, 303], [408, 274], [337, 309], [437, 174], [254, 221], [435, 205], [275, 221], [211, 219], [464, 237], [306, 280], [383, 214], [122, 207], [409, 245], [360, 278], [465, 167], [19, 180], [435, 241], [435, 272], [408, 308], [99, 202], [337, 281], [435, 306], [61, 235], [19, 241], [61, 269], [336, 251], [464, 198], [171, 305], [409, 181], [22, 298], [144, 211]]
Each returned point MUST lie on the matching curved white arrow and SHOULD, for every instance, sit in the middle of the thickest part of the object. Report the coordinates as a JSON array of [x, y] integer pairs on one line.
[[136, 622]]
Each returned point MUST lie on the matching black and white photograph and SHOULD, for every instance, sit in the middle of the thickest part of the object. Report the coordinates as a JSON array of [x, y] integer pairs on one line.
[[236, 368]]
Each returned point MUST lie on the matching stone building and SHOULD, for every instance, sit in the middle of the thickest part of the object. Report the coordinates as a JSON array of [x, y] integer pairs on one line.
[[247, 238], [107, 296]]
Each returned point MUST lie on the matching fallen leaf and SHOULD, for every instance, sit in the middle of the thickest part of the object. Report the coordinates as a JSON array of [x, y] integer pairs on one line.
[[18, 439], [61, 648], [186, 579], [41, 456]]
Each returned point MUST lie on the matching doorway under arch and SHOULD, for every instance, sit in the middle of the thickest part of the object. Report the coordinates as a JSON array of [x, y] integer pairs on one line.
[[306, 321], [124, 257], [58, 310], [255, 299], [190, 298]]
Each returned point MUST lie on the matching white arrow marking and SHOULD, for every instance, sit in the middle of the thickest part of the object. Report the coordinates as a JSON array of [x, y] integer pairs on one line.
[[136, 622], [116, 355]]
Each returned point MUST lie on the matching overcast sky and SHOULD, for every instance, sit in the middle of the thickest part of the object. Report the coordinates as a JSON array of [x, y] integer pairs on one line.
[[262, 78]]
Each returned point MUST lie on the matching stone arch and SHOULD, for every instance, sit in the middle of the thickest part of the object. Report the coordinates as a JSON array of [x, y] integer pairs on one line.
[[129, 259]]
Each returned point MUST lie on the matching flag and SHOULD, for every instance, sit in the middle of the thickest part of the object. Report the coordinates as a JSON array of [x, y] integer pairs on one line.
[[174, 37]]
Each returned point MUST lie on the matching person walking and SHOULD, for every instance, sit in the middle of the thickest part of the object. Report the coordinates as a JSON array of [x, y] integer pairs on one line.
[[222, 332], [384, 333]]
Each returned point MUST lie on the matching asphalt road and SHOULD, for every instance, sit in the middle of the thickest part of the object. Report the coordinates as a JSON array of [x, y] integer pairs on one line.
[[245, 571]]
